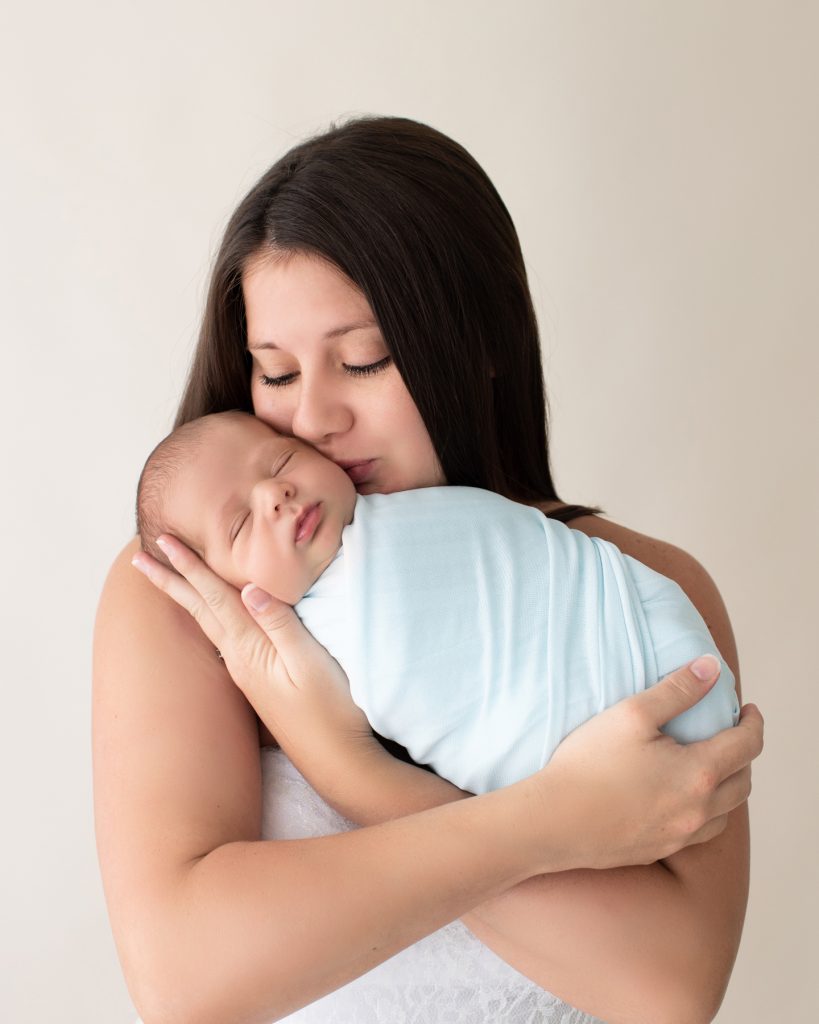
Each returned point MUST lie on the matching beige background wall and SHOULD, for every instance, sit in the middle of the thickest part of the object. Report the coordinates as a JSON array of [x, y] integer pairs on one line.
[[660, 161]]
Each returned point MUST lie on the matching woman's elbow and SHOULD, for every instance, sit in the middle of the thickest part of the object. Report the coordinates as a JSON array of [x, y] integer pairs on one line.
[[159, 963], [158, 996], [198, 981], [164, 997], [160, 1001], [688, 1001], [694, 1010]]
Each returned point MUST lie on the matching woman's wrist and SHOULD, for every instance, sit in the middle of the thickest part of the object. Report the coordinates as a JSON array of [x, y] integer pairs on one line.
[[366, 784]]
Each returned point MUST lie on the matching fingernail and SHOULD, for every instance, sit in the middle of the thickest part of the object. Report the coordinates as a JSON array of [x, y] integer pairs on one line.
[[136, 562], [162, 543], [705, 667], [257, 599]]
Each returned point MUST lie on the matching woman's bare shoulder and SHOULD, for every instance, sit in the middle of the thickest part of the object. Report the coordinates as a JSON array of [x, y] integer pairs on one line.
[[173, 736], [175, 755], [659, 555], [130, 604], [129, 599]]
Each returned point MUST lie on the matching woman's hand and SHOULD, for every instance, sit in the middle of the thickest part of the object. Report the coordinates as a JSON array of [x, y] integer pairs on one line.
[[639, 796], [298, 690]]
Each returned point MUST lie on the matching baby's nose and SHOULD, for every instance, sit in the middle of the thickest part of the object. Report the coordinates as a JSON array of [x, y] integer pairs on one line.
[[273, 494]]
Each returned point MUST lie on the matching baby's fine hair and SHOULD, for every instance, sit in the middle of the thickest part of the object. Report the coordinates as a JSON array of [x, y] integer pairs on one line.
[[171, 455]]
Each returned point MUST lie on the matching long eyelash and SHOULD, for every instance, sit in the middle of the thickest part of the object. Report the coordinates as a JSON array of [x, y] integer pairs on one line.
[[276, 382], [365, 371], [353, 371]]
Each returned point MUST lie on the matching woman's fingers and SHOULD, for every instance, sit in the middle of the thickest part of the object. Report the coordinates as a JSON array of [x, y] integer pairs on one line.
[[297, 648], [178, 589], [214, 604], [677, 692], [733, 749], [738, 745], [641, 795], [732, 793], [303, 664], [712, 828], [311, 689]]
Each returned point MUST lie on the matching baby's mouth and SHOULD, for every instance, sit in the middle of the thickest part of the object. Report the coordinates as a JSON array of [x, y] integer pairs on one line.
[[307, 522]]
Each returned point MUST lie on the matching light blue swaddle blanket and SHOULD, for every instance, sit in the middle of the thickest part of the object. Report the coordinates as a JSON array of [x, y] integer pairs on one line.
[[478, 633]]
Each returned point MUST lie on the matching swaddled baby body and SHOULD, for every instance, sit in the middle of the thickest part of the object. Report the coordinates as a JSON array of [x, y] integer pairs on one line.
[[474, 630]]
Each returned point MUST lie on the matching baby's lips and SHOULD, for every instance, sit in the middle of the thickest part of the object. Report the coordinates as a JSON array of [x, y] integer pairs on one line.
[[309, 518]]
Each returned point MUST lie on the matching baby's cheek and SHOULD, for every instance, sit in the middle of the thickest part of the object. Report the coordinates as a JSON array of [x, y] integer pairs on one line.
[[263, 570], [229, 568]]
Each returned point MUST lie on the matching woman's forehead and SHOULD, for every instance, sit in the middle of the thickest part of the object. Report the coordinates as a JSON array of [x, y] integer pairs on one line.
[[302, 299]]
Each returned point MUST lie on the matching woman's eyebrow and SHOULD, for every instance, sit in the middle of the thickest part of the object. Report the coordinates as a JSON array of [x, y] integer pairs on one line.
[[336, 332]]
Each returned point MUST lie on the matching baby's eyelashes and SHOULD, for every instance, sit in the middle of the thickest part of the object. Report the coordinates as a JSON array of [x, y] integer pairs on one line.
[[237, 529], [282, 463]]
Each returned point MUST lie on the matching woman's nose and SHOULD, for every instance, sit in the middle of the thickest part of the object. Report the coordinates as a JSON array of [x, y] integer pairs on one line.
[[320, 413]]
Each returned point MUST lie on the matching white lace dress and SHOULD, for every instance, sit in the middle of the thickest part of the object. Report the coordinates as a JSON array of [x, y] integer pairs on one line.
[[447, 978]]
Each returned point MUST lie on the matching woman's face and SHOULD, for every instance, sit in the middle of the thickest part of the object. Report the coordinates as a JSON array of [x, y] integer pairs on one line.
[[322, 372]]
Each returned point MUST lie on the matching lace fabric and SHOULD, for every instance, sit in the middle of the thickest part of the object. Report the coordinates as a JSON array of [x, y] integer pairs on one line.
[[449, 977]]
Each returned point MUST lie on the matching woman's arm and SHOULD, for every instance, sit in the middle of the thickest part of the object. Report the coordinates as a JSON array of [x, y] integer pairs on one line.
[[645, 943], [624, 942], [212, 923]]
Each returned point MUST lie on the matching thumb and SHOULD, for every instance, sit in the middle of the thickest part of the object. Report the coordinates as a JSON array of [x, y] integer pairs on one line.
[[681, 689], [279, 622]]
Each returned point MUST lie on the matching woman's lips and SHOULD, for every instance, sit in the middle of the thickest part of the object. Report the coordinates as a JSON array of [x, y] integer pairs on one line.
[[307, 522], [359, 472]]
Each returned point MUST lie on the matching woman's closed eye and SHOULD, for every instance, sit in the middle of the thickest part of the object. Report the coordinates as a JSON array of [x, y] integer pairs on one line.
[[353, 371]]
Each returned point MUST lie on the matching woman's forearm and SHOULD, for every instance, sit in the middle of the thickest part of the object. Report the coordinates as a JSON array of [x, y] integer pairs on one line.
[[646, 944], [372, 786], [255, 930]]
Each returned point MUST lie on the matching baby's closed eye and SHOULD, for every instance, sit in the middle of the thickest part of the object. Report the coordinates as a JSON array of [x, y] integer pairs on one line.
[[239, 526]]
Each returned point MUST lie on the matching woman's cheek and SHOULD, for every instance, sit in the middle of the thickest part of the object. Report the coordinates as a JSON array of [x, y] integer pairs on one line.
[[271, 409]]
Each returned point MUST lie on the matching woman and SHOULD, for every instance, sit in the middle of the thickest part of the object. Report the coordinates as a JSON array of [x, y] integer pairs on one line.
[[370, 297]]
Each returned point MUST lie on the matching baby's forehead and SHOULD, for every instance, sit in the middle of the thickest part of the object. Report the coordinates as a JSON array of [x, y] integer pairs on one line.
[[241, 422], [241, 430], [238, 447]]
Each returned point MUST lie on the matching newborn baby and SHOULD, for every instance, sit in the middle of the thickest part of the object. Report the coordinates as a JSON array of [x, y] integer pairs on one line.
[[474, 630]]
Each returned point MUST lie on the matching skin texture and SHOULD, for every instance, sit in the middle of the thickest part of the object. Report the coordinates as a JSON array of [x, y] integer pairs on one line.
[[559, 873]]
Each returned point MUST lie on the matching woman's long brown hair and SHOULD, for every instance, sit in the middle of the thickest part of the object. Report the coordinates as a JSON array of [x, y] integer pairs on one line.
[[411, 219]]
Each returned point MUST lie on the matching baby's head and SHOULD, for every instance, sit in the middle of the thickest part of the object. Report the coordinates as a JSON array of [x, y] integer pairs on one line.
[[257, 506]]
